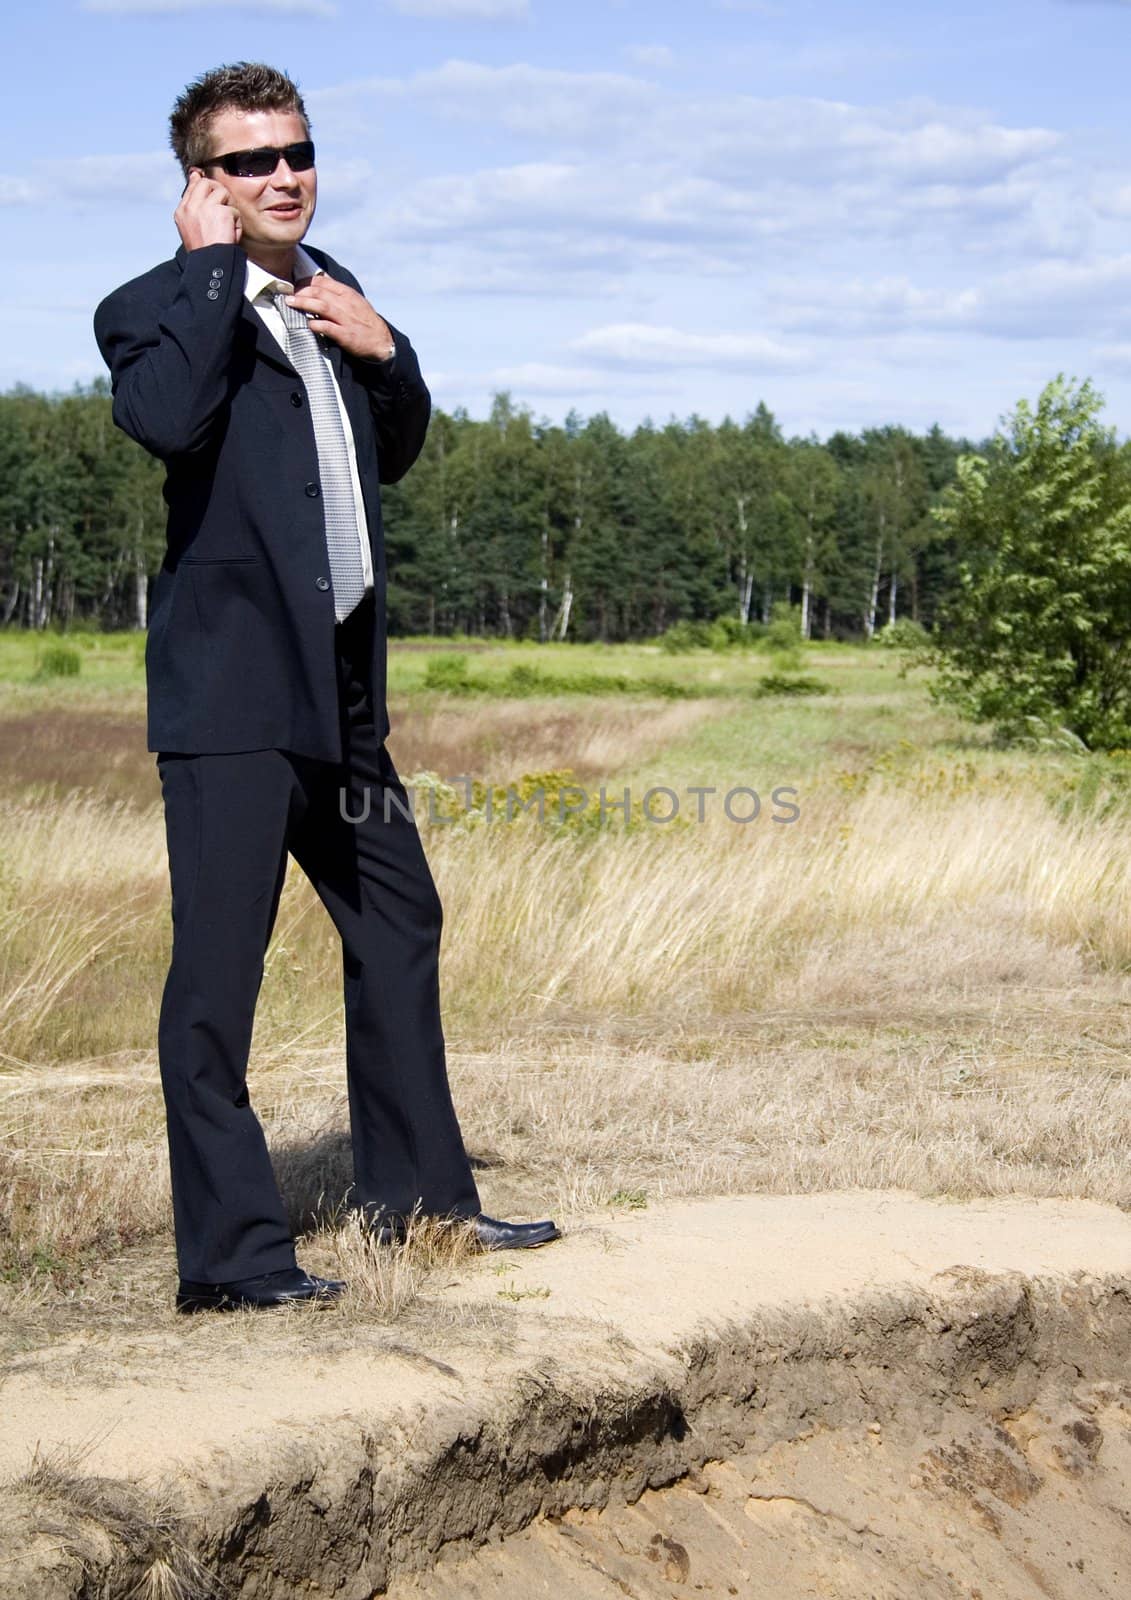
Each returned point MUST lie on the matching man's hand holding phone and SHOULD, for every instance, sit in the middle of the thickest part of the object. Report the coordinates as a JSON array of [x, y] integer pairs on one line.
[[206, 214]]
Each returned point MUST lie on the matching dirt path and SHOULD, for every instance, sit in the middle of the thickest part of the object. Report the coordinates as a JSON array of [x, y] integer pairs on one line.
[[845, 1390]]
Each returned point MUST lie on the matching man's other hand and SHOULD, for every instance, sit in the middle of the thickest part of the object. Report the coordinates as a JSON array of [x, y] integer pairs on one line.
[[206, 214], [344, 316]]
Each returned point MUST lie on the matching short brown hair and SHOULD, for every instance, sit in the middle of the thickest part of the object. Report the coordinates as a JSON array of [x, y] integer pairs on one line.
[[243, 86]]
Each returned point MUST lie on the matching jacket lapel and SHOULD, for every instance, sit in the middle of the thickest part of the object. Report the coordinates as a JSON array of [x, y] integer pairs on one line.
[[252, 329], [267, 347]]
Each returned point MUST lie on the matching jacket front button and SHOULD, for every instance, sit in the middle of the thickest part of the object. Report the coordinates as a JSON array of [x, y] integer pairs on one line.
[[213, 294], [296, 398], [322, 583], [312, 491]]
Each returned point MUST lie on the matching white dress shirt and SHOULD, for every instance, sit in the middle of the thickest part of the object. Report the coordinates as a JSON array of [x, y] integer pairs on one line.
[[259, 286]]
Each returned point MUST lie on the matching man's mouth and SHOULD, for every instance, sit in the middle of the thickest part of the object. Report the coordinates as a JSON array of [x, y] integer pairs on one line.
[[285, 210]]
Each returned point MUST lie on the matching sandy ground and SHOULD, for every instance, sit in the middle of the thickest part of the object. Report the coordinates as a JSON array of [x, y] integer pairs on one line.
[[769, 1340]]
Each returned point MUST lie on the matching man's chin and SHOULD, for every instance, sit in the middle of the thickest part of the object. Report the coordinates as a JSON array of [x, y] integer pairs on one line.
[[278, 233], [282, 230]]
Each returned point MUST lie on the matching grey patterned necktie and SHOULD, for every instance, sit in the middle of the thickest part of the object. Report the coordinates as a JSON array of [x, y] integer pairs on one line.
[[342, 536]]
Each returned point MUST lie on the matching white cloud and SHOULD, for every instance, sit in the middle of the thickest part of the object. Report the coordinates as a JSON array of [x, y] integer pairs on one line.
[[650, 55], [1044, 300], [1113, 358], [813, 231], [485, 10], [858, 306], [546, 378], [736, 136], [775, 213], [158, 8], [17, 192], [645, 345], [122, 179]]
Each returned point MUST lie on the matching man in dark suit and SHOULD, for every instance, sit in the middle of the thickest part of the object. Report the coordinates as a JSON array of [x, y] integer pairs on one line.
[[279, 400]]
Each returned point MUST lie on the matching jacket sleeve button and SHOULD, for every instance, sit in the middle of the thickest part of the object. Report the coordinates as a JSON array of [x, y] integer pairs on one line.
[[213, 294], [322, 583], [217, 272], [312, 491]]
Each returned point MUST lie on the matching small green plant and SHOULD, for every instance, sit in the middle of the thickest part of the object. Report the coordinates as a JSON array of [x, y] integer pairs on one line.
[[630, 1199], [525, 679], [785, 683], [512, 1293], [58, 661], [448, 673], [783, 633]]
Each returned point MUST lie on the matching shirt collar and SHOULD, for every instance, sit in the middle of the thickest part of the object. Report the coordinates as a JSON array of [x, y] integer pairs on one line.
[[258, 278]]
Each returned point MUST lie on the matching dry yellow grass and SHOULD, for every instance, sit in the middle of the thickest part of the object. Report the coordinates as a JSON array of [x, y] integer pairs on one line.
[[501, 739], [899, 988]]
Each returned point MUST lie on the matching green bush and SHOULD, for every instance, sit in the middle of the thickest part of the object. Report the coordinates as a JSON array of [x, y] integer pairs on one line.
[[58, 661], [724, 633], [1034, 632], [903, 634], [525, 679], [448, 673], [738, 635], [783, 683], [688, 634], [783, 634]]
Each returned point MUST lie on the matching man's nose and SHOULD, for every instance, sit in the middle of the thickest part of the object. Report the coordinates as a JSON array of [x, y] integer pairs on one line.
[[283, 175]]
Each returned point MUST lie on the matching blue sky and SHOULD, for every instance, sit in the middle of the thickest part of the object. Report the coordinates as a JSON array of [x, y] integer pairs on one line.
[[857, 213]]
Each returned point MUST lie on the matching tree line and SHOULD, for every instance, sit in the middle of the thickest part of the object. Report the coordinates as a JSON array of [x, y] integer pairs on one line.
[[523, 528]]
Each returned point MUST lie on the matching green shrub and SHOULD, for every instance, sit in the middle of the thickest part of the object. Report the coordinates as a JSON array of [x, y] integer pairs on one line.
[[669, 688], [783, 683], [724, 633], [903, 634], [783, 634], [738, 635], [1034, 629], [525, 679], [688, 634], [448, 673], [58, 661]]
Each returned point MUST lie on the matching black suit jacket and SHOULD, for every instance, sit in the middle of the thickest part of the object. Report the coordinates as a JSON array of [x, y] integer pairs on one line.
[[240, 650]]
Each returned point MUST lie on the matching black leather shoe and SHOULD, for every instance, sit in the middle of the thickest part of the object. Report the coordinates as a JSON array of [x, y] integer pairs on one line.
[[269, 1289], [495, 1235], [490, 1234]]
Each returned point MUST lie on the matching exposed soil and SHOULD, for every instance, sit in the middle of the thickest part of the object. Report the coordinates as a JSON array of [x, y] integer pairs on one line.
[[851, 1394]]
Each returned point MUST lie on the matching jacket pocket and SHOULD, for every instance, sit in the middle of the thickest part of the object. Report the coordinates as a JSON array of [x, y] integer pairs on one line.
[[212, 561]]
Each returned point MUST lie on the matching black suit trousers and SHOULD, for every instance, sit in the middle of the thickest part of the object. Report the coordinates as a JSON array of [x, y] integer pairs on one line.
[[230, 821]]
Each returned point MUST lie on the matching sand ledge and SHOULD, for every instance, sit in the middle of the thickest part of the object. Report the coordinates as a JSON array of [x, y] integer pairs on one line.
[[802, 1394]]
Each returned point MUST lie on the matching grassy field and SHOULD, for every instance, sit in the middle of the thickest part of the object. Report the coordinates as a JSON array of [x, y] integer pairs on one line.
[[924, 980]]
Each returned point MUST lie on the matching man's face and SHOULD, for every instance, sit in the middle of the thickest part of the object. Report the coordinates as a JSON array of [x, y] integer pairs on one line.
[[276, 210]]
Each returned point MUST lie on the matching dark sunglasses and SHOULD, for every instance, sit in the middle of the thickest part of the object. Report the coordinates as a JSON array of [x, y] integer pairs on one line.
[[262, 162]]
